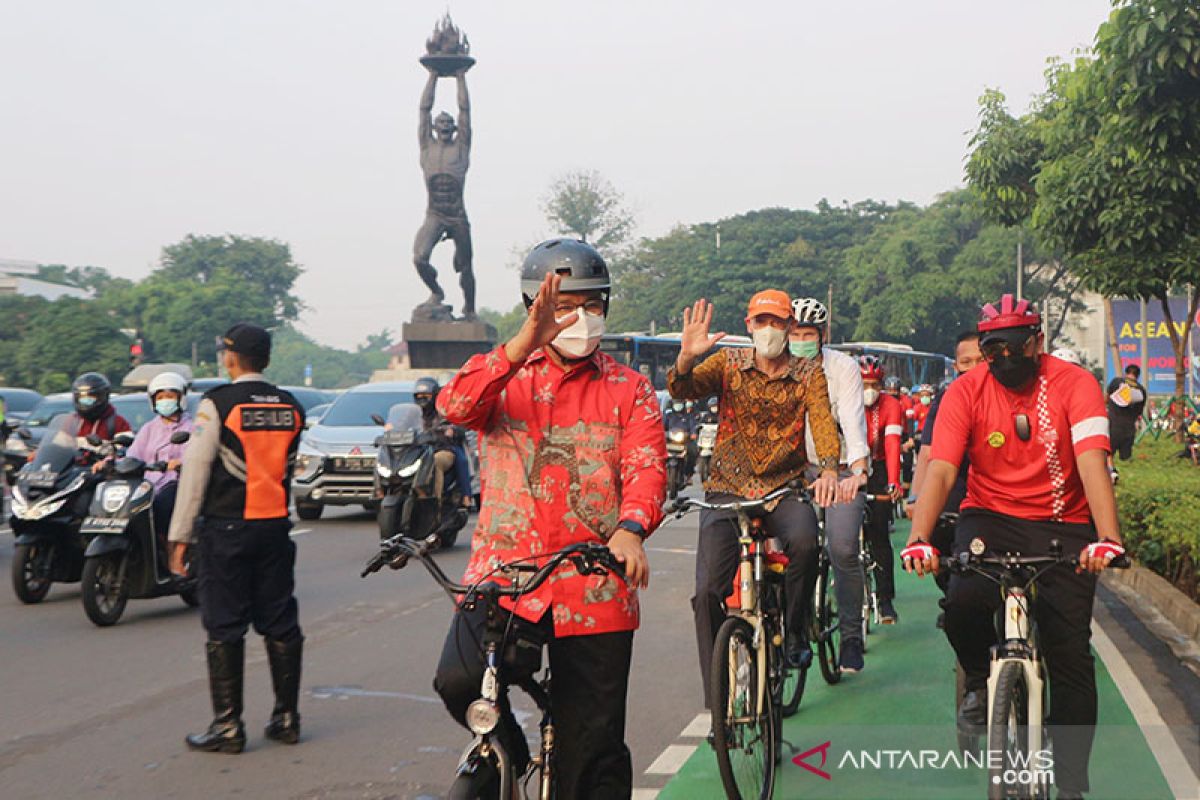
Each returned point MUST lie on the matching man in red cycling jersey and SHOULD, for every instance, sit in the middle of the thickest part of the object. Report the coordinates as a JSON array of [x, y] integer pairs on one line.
[[1037, 435], [885, 424]]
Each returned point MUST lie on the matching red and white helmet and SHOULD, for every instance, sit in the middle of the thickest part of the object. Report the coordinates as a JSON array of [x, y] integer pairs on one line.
[[871, 368]]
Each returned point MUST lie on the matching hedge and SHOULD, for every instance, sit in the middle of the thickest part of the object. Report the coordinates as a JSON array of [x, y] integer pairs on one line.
[[1158, 501]]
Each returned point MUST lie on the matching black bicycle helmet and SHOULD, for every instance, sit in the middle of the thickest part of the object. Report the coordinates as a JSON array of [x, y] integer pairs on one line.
[[425, 393], [583, 269], [90, 393]]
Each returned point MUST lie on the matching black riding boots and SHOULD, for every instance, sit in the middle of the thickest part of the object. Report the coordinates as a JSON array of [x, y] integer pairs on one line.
[[226, 734], [285, 677]]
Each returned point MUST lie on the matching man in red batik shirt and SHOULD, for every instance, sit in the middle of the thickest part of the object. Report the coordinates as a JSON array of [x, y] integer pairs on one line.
[[573, 451], [1036, 432]]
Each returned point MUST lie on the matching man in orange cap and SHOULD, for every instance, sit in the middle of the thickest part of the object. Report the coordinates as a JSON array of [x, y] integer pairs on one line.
[[767, 396]]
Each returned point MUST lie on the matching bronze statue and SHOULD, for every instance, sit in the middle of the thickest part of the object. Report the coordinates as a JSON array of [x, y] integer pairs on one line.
[[445, 157]]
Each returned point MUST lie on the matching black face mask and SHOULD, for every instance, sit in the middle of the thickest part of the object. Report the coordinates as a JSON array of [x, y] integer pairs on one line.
[[1013, 372]]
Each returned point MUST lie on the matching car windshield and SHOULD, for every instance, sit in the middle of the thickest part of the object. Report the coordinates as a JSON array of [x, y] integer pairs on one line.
[[135, 408], [306, 397], [58, 447], [356, 408], [45, 411]]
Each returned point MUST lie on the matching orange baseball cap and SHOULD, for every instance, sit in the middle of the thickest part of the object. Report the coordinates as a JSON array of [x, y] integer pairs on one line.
[[770, 301]]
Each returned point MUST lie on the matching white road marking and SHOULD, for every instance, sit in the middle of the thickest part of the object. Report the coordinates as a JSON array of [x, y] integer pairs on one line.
[[682, 551], [300, 532], [699, 727], [671, 759], [644, 794], [1174, 766]]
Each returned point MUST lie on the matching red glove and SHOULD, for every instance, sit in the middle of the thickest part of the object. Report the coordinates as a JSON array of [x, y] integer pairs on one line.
[[1106, 549], [919, 551]]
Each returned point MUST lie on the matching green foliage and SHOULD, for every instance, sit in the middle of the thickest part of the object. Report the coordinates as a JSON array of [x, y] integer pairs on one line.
[[1158, 500], [44, 345], [291, 351], [584, 204], [728, 261], [506, 323], [95, 279]]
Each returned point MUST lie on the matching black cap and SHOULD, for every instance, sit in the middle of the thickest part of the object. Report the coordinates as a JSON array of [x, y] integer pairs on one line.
[[247, 339]]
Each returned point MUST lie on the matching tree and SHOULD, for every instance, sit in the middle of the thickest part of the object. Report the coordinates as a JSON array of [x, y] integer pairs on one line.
[[292, 351], [586, 205], [1106, 164], [65, 338], [506, 323], [377, 342]]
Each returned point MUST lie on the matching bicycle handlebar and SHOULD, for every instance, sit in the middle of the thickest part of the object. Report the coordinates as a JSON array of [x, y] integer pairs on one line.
[[590, 558], [682, 505], [967, 562]]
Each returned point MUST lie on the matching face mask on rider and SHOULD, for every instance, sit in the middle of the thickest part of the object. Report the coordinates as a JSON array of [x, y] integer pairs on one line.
[[870, 396], [1013, 372], [769, 342], [167, 407], [581, 338], [804, 349]]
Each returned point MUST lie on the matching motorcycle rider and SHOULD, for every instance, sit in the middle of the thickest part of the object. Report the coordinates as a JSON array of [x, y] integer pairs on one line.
[[90, 393], [843, 519], [680, 415], [167, 394], [573, 452], [449, 452]]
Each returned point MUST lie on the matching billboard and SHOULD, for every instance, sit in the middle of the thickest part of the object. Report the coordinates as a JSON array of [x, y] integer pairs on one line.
[[1158, 373]]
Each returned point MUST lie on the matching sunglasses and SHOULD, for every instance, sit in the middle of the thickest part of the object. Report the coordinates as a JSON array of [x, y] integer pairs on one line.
[[994, 348]]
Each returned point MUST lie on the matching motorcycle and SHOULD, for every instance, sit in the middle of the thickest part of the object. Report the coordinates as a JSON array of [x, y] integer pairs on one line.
[[125, 557], [49, 502], [404, 479], [677, 454], [706, 442]]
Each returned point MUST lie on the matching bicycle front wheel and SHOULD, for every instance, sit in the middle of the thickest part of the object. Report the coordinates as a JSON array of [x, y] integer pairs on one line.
[[743, 719], [1008, 732], [792, 679], [825, 624]]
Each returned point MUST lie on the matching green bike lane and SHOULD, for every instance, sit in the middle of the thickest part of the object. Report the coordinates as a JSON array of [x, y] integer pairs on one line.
[[888, 732]]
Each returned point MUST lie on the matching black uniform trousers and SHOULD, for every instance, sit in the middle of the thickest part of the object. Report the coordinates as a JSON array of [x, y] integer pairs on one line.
[[247, 576], [1122, 431], [1063, 615], [879, 533], [589, 684], [794, 524]]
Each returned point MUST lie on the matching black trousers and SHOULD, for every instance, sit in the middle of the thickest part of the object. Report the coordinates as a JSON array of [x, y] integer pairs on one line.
[[1063, 615], [161, 509], [588, 688], [794, 523], [879, 529], [247, 576], [1122, 435]]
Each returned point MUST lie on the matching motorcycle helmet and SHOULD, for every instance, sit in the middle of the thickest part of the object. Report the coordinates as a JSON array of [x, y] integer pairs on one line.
[[425, 393], [90, 393], [891, 384], [713, 405], [870, 367], [168, 382], [582, 268]]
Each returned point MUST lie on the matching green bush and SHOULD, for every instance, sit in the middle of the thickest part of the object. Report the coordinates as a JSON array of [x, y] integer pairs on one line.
[[1158, 501]]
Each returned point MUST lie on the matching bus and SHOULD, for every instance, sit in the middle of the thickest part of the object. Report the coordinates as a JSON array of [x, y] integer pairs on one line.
[[653, 355]]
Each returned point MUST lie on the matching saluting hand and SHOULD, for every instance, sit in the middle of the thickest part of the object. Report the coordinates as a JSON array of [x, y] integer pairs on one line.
[[540, 326], [696, 340]]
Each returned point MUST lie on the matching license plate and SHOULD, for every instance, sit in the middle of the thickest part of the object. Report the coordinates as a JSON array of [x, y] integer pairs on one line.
[[707, 438], [400, 437], [107, 524], [353, 464]]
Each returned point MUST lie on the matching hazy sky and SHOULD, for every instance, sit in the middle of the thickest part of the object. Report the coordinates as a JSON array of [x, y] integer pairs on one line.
[[128, 124]]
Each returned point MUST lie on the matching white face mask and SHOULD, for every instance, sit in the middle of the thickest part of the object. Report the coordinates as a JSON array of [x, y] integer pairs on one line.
[[581, 338], [870, 396], [769, 342]]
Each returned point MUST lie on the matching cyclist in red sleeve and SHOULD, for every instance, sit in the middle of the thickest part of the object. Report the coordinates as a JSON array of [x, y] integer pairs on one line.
[[573, 451], [885, 424], [1036, 432]]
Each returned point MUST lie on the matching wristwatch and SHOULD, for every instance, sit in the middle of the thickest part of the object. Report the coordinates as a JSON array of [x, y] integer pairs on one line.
[[633, 527], [858, 471]]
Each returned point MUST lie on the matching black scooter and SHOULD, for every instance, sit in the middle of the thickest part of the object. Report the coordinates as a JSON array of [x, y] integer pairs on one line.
[[49, 501], [125, 557], [404, 476]]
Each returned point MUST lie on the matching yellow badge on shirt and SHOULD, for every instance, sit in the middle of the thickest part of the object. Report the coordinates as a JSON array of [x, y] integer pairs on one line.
[[996, 439]]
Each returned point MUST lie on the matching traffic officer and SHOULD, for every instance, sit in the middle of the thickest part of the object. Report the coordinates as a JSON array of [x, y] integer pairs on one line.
[[236, 477]]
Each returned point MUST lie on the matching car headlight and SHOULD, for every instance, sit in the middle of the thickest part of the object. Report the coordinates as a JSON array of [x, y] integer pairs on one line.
[[411, 469], [306, 465], [678, 436], [482, 716], [113, 496], [384, 472]]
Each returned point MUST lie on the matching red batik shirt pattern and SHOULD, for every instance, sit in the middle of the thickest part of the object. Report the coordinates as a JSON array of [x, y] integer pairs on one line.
[[565, 457]]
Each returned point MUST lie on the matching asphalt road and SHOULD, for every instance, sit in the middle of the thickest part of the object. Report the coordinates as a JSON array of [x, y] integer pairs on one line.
[[103, 712]]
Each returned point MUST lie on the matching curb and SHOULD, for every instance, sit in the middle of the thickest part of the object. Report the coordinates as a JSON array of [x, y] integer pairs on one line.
[[1167, 612]]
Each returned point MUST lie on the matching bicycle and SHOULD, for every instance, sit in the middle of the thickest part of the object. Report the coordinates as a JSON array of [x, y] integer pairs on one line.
[[486, 759], [751, 685], [1016, 684], [826, 624]]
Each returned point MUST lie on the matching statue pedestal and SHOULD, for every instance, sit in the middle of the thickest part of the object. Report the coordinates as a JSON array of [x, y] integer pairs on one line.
[[446, 345]]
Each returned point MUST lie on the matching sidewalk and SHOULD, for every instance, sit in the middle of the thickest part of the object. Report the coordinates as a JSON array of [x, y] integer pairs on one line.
[[890, 728]]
